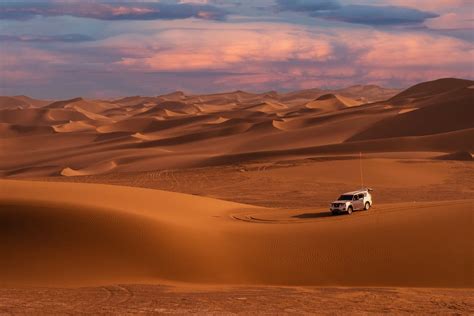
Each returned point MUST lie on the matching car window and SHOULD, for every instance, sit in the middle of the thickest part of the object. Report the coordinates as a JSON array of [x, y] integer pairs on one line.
[[345, 198], [361, 196], [356, 197]]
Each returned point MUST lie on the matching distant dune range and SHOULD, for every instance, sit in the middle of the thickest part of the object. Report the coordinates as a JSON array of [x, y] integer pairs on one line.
[[78, 136]]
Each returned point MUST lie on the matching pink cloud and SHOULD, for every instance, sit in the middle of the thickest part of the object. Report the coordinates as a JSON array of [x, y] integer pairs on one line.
[[388, 50], [268, 56], [453, 20], [27, 64], [199, 56], [219, 49]]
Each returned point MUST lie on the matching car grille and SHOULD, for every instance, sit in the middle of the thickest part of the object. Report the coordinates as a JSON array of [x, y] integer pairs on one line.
[[335, 204]]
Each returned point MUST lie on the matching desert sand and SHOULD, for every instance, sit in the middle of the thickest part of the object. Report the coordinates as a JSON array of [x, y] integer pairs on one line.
[[219, 203]]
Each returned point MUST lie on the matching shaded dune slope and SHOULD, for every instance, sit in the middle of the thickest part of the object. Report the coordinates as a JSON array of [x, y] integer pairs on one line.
[[430, 88], [20, 102], [444, 142], [439, 114]]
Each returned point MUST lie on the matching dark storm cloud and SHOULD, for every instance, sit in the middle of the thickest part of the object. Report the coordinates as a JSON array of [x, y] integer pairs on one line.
[[68, 38], [376, 15], [358, 14], [308, 5], [111, 11]]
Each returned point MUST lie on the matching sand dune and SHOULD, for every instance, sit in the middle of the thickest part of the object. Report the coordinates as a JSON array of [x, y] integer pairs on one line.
[[266, 107], [226, 127], [90, 170], [136, 101], [248, 177], [445, 142], [77, 126], [12, 130], [429, 89], [170, 113], [450, 112], [129, 125], [20, 102], [218, 120], [92, 106], [40, 116], [138, 235], [460, 156], [179, 107], [332, 102], [367, 93]]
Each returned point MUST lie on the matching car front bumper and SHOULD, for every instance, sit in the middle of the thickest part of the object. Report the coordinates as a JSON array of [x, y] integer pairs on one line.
[[337, 208]]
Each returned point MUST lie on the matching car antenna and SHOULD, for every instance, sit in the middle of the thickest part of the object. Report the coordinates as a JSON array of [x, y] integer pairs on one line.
[[361, 173]]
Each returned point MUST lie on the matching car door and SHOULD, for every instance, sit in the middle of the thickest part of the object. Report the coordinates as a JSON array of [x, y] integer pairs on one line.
[[362, 201], [357, 202]]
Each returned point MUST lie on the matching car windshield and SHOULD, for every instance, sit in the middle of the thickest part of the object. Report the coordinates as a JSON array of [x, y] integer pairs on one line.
[[345, 198]]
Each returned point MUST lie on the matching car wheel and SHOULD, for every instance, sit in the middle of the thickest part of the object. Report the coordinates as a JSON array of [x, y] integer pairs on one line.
[[349, 210], [367, 206]]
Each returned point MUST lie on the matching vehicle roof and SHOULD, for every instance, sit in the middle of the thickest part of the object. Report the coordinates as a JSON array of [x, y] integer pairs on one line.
[[355, 192]]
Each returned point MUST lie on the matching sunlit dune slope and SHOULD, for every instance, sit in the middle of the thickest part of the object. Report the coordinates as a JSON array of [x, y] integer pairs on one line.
[[77, 234]]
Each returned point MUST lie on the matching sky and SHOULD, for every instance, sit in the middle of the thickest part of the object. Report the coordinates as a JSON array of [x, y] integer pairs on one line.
[[106, 49]]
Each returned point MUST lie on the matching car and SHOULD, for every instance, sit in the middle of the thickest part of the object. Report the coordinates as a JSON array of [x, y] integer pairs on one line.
[[352, 201]]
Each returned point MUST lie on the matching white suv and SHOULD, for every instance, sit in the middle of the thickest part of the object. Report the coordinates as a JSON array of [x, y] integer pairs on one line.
[[352, 201]]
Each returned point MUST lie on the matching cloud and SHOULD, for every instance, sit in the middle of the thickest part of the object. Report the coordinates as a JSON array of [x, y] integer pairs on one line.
[[286, 52], [308, 5], [433, 5], [293, 57], [68, 38], [359, 14], [109, 11], [26, 66], [223, 49], [414, 51], [376, 15], [452, 21]]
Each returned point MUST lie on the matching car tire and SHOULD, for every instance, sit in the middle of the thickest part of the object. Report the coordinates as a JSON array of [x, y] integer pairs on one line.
[[349, 210], [367, 206]]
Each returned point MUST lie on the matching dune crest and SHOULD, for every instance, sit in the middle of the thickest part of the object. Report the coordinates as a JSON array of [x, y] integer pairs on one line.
[[77, 126], [332, 102], [90, 170]]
